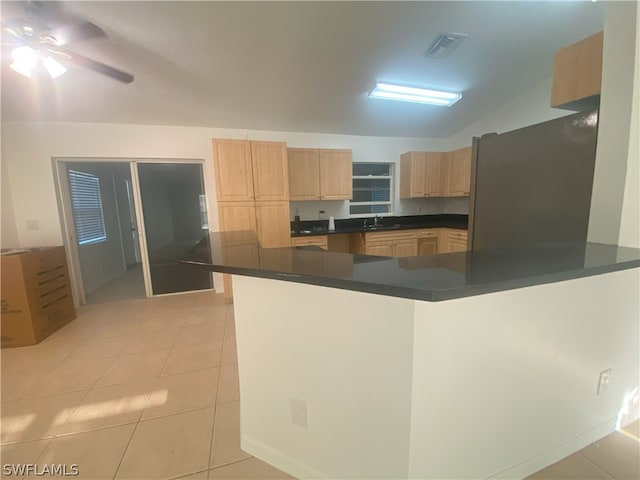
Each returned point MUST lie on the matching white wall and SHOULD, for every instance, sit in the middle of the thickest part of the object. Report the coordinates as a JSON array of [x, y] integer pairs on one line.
[[528, 108], [103, 261], [500, 385], [505, 384], [614, 140], [629, 224], [29, 147], [9, 232]]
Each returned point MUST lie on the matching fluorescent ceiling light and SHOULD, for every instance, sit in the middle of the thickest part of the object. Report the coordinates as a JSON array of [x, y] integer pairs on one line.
[[416, 95]]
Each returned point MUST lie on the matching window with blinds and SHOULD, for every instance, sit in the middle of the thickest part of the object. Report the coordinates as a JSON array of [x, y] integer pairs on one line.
[[87, 207], [371, 189]]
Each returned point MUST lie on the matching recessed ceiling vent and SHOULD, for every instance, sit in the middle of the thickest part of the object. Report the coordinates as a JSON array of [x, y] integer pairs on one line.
[[444, 44]]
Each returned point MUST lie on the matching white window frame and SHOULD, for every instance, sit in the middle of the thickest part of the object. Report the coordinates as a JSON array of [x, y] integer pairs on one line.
[[389, 177], [90, 228]]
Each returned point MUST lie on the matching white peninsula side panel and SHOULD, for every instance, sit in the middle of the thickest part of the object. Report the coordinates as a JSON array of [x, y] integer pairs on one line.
[[348, 355], [505, 383], [489, 386]]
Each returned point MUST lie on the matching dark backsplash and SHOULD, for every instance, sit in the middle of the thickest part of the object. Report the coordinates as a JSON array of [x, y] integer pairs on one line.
[[420, 221]]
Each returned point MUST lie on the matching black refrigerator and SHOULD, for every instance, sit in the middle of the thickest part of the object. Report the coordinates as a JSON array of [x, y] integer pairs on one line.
[[533, 185]]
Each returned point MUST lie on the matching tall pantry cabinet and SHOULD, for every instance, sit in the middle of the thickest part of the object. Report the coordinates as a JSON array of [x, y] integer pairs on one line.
[[252, 187]]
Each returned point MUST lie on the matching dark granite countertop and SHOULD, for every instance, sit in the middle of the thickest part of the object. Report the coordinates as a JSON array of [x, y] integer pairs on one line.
[[430, 278], [356, 225]]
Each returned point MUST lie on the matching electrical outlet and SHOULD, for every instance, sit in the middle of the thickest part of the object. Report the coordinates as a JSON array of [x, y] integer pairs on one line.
[[299, 413], [603, 381]]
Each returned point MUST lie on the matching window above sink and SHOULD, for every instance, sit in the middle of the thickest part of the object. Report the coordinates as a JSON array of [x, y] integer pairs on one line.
[[372, 190]]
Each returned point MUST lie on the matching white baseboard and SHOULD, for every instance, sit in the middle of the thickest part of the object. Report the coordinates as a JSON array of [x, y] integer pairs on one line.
[[279, 460], [550, 457]]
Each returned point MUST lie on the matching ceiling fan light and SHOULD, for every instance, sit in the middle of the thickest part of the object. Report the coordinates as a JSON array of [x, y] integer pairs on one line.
[[25, 60], [415, 95], [53, 67]]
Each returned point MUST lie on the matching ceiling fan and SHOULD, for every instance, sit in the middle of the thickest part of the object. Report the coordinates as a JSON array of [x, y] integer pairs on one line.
[[38, 33]]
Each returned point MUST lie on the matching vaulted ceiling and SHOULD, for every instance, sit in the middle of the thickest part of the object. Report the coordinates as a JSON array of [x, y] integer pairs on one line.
[[302, 66]]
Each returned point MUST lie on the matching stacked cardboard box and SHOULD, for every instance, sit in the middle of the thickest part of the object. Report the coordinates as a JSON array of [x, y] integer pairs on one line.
[[36, 295]]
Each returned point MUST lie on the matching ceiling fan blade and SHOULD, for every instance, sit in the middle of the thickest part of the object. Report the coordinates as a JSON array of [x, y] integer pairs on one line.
[[94, 65], [75, 32]]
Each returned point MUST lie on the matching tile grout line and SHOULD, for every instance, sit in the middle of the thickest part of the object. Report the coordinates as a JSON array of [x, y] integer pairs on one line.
[[215, 412], [93, 387], [135, 429], [610, 475]]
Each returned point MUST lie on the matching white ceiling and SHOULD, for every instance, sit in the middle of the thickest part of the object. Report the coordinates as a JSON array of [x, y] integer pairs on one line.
[[302, 66]]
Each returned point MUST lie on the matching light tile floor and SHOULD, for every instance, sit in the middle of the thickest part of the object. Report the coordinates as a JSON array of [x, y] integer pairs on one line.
[[148, 389], [140, 389]]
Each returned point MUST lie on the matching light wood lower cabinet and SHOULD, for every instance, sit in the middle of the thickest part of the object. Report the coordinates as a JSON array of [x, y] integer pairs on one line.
[[427, 246], [428, 241], [391, 244], [317, 240], [452, 240]]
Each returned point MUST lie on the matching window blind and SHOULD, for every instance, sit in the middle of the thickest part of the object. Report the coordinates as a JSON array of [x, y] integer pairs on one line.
[[87, 207]]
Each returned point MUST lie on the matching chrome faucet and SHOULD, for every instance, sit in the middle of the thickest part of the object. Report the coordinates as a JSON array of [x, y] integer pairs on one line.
[[377, 220]]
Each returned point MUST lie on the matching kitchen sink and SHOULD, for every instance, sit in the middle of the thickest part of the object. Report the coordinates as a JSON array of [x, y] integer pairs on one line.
[[381, 227]]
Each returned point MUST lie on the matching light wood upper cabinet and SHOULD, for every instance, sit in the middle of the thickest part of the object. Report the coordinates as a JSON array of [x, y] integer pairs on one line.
[[273, 224], [413, 171], [234, 173], [335, 174], [577, 74], [248, 170], [457, 173], [270, 178], [434, 161], [420, 174], [304, 173], [320, 174]]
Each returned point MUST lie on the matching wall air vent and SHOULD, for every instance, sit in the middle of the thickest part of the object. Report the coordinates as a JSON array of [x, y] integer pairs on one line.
[[444, 44]]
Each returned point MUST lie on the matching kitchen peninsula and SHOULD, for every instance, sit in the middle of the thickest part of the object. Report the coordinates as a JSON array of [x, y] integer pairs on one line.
[[464, 365]]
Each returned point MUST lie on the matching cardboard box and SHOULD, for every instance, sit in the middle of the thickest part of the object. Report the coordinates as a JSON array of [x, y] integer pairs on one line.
[[36, 295]]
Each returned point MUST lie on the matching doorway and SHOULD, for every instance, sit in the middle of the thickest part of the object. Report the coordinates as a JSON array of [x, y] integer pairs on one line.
[[127, 225]]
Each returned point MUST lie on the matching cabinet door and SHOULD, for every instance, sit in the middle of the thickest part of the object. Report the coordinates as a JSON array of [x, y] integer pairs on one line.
[[456, 246], [274, 227], [270, 178], [304, 173], [455, 240], [413, 174], [428, 246], [237, 216], [577, 73], [380, 249], [233, 169], [335, 174], [405, 248], [318, 241], [432, 174], [459, 172]]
